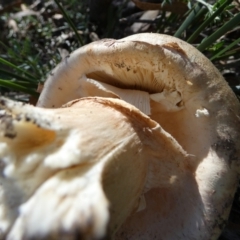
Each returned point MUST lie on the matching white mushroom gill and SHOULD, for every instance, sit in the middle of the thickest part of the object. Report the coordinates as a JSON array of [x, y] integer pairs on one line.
[[139, 99], [152, 127]]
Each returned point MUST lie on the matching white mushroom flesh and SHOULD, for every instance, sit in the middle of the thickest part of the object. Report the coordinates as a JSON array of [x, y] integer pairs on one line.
[[168, 176]]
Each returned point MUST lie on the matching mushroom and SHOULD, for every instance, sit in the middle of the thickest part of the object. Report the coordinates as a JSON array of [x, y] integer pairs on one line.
[[145, 146]]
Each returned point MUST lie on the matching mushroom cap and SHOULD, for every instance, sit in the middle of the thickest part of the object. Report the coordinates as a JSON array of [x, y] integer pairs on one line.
[[183, 84], [190, 99], [82, 168], [181, 90], [207, 128]]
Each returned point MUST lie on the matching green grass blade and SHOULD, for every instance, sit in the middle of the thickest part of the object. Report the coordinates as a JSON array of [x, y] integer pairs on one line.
[[26, 84], [208, 21], [160, 24], [70, 22], [25, 58], [220, 53], [220, 32], [190, 18], [228, 54], [16, 76], [207, 5], [13, 86], [5, 62]]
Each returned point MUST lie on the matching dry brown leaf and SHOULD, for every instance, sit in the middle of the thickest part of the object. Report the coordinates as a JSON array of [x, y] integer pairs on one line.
[[176, 7]]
